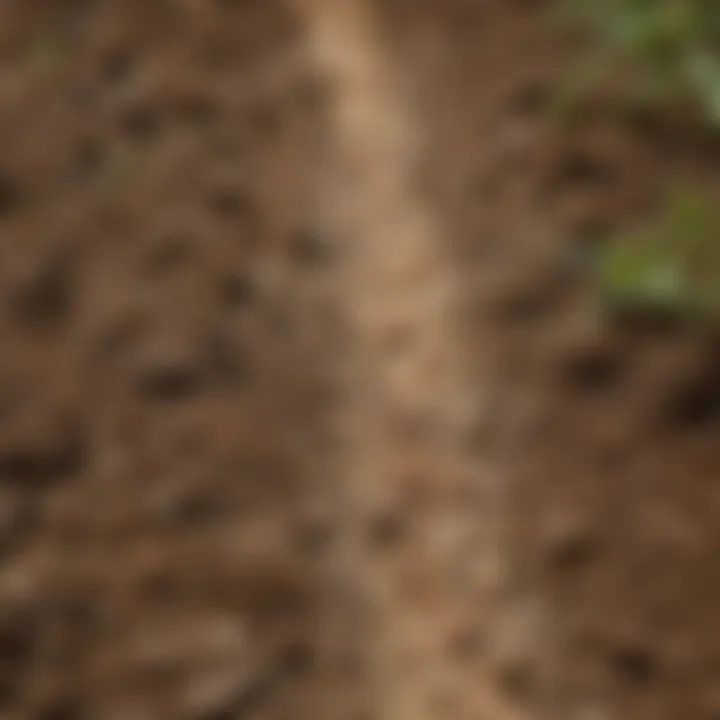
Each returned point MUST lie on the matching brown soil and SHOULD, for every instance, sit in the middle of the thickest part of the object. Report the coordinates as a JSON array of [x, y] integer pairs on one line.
[[608, 430], [168, 452], [159, 399]]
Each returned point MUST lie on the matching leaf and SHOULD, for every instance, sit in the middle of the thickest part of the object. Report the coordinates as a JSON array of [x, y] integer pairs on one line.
[[673, 264], [636, 274], [704, 71], [671, 45]]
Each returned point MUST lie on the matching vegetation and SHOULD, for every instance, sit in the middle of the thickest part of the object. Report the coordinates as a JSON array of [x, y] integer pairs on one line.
[[667, 49], [668, 52], [671, 265]]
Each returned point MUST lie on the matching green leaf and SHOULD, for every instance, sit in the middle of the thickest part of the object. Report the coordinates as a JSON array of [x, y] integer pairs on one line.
[[672, 264], [704, 71]]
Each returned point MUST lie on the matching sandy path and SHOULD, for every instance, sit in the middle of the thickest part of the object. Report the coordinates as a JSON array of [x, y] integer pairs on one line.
[[423, 525]]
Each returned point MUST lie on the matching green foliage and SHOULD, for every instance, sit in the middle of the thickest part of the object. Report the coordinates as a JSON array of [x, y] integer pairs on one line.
[[671, 265], [664, 51], [670, 47]]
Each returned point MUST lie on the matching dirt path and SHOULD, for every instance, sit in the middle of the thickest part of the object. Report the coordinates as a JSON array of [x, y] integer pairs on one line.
[[423, 513]]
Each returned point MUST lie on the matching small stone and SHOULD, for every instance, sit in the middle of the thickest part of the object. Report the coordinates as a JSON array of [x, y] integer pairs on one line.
[[15, 516], [517, 645], [44, 298], [211, 691], [42, 448], [570, 545], [168, 368]]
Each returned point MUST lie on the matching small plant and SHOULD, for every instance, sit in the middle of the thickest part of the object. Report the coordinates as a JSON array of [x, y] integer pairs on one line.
[[670, 48], [670, 266]]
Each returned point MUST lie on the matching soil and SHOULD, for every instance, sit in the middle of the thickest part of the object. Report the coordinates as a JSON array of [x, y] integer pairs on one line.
[[608, 428], [169, 367], [159, 399]]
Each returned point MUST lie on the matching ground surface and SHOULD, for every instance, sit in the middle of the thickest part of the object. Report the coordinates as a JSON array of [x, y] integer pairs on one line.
[[609, 433], [159, 398], [166, 374]]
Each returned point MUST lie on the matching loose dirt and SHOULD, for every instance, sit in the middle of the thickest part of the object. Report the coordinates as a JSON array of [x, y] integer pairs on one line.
[[173, 467]]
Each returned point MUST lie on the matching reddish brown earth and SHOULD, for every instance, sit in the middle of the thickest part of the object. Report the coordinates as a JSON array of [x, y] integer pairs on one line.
[[609, 430], [167, 367], [160, 401]]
